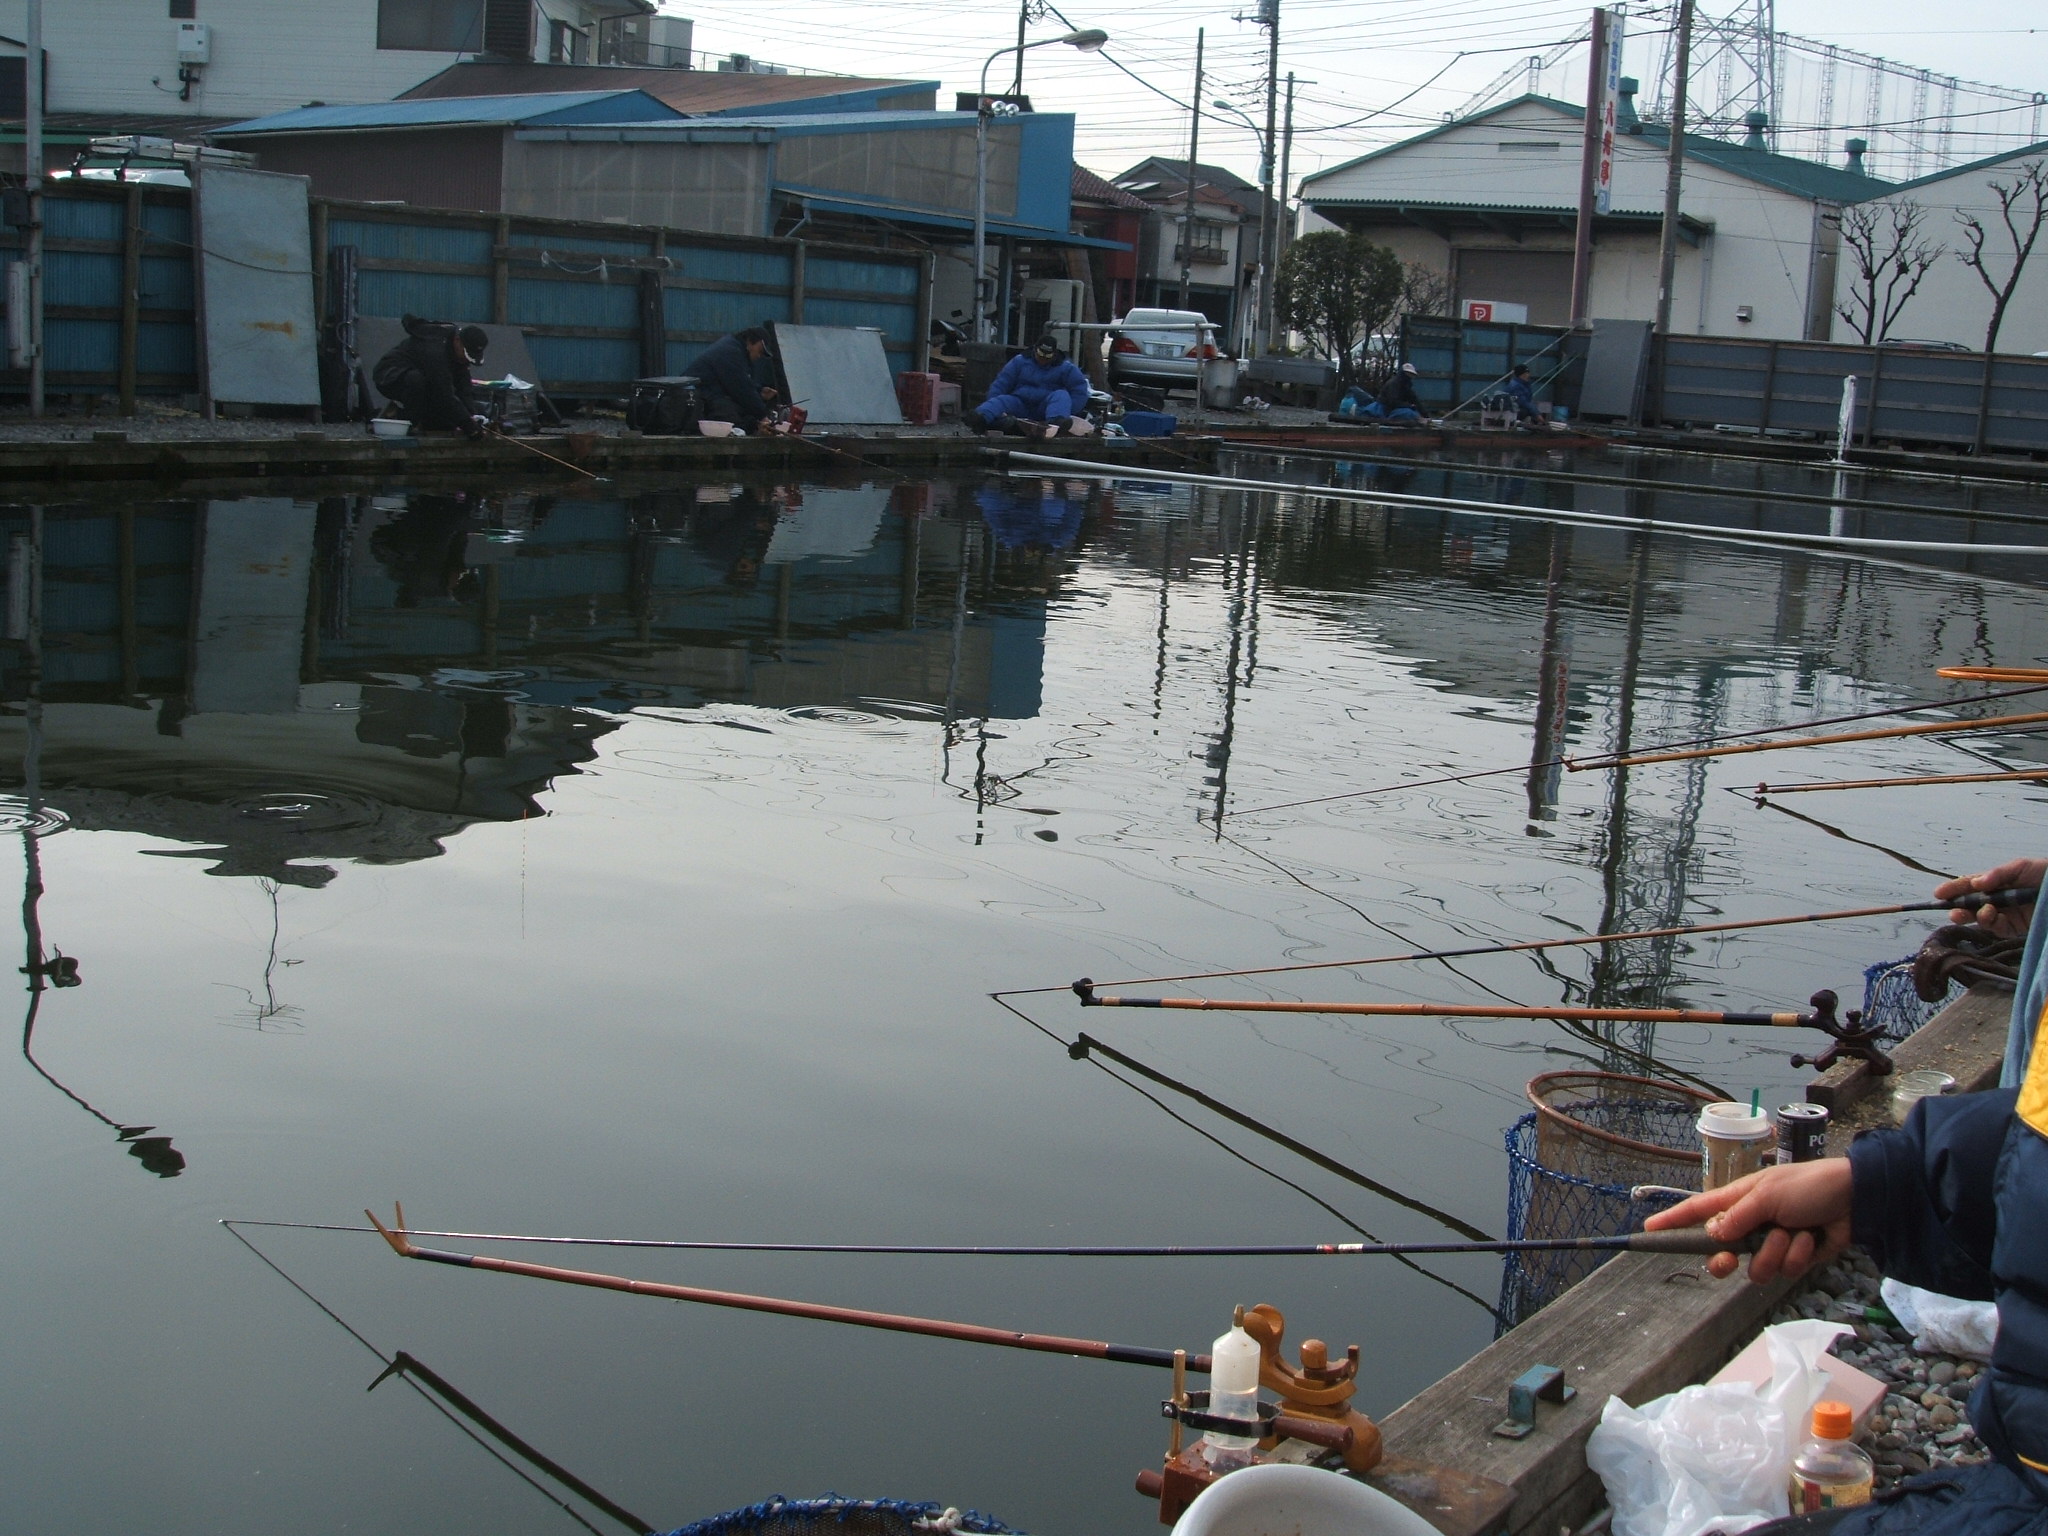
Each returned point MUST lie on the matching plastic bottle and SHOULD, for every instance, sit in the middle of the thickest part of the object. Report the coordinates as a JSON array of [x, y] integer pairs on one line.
[[1831, 1471], [1233, 1394]]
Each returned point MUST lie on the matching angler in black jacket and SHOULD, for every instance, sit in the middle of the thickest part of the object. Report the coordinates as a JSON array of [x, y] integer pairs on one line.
[[426, 376], [1955, 1201], [730, 375]]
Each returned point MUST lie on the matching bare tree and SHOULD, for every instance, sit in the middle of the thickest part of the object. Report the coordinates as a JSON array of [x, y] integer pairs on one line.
[[1425, 290], [1891, 258], [2021, 203]]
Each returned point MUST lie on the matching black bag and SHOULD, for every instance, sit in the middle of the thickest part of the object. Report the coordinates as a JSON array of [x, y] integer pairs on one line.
[[664, 407]]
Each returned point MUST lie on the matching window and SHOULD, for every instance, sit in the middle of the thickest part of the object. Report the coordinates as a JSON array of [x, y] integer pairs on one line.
[[184, 10], [434, 26], [566, 45], [1530, 146]]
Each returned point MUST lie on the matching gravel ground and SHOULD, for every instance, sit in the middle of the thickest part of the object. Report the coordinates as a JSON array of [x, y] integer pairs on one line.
[[1922, 1422], [158, 422]]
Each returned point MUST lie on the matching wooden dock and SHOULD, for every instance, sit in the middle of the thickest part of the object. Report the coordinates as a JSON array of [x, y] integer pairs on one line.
[[1638, 1327]]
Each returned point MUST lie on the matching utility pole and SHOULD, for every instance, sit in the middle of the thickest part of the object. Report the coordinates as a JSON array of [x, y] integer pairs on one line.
[[1283, 220], [1674, 170], [1269, 222], [1589, 170], [1187, 228], [32, 181]]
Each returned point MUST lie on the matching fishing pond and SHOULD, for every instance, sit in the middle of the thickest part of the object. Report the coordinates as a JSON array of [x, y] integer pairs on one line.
[[638, 862]]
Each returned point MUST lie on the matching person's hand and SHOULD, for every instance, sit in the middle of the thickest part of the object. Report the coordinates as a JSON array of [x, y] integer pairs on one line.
[[767, 393], [1806, 1203], [2006, 922]]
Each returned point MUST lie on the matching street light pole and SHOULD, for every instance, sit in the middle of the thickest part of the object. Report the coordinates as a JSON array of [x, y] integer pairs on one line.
[[32, 182], [1261, 274], [1269, 217], [1088, 40], [1187, 230]]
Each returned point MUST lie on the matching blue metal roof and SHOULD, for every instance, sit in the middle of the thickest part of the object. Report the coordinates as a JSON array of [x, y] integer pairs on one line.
[[827, 201], [454, 111]]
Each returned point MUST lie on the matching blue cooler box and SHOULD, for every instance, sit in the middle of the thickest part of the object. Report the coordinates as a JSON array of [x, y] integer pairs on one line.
[[1148, 423]]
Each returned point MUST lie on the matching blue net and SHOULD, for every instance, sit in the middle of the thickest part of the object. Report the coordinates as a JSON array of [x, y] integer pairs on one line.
[[1573, 1170], [831, 1515], [1890, 1001]]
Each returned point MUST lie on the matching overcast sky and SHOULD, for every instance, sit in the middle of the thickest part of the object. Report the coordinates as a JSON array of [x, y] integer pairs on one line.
[[1396, 65]]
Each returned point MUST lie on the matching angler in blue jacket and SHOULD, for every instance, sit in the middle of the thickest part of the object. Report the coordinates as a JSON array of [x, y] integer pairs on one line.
[[1523, 393], [1956, 1201], [1036, 394]]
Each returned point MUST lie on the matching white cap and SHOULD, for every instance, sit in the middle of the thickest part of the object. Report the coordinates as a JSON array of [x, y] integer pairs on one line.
[[1408, 368]]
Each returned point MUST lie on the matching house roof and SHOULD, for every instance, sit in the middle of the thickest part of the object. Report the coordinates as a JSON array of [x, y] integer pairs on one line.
[[1230, 187], [686, 90], [1172, 192], [2031, 151], [461, 111], [1094, 189], [1787, 173]]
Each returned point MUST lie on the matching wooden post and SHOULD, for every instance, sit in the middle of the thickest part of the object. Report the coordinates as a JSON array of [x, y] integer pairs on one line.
[[1984, 405], [501, 273], [1763, 419], [797, 263], [319, 263], [921, 344], [131, 296]]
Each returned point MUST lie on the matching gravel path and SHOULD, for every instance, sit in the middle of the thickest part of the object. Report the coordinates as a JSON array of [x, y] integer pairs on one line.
[[1922, 1422]]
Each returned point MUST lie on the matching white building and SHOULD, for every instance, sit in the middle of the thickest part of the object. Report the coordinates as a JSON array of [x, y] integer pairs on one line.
[[220, 60], [1492, 201], [1952, 304]]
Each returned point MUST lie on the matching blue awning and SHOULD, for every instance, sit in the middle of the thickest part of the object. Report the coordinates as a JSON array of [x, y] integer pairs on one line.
[[900, 213]]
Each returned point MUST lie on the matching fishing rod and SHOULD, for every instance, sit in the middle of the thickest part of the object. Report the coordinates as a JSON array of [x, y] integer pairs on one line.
[[1762, 730], [1822, 1016], [1995, 674], [2035, 774], [1680, 1240], [1036, 464], [516, 443], [859, 1317], [2019, 896], [1926, 728], [1576, 477]]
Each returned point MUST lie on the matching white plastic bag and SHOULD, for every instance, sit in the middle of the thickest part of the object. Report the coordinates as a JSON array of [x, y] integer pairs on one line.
[[1943, 1325], [1713, 1458]]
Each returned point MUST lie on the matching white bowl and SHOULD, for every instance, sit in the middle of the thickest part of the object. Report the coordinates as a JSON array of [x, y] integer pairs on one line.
[[1281, 1500], [714, 428], [385, 427]]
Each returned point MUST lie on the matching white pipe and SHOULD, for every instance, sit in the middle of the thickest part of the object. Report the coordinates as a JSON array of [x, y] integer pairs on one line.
[[1845, 423], [1082, 470]]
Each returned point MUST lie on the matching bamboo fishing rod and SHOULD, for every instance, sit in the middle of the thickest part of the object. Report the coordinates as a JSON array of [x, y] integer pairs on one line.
[[1925, 728], [1995, 674], [2035, 774], [1682, 1240], [1820, 1018], [1766, 730], [2019, 896]]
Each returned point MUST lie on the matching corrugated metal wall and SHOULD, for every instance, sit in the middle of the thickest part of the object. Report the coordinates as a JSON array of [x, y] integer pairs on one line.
[[87, 241], [1993, 402], [573, 287]]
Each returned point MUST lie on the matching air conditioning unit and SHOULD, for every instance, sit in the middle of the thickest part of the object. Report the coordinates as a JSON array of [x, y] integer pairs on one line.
[[736, 64], [195, 43]]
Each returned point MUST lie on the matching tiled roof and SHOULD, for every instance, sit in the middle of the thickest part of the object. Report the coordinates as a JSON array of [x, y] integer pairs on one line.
[[1093, 188]]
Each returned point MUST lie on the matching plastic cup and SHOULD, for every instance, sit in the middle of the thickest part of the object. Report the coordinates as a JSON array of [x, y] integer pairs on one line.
[[1912, 1087], [1733, 1143]]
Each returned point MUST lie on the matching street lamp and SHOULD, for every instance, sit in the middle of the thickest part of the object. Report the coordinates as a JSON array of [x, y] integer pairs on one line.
[[1087, 40], [1264, 276]]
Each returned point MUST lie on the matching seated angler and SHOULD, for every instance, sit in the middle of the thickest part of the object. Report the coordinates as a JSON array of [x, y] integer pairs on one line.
[[1036, 394], [425, 378], [1523, 394], [1397, 400], [729, 375]]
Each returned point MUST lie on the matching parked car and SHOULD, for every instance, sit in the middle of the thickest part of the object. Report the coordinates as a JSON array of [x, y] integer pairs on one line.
[[1157, 351]]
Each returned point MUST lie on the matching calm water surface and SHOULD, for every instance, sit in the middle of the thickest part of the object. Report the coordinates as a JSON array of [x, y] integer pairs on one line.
[[641, 867]]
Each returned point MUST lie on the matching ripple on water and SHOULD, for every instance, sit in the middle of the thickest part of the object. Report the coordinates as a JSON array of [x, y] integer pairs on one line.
[[15, 816], [306, 812]]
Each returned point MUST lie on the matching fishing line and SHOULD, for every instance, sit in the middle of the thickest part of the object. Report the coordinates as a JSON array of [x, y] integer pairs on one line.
[[389, 1363], [2026, 774], [1891, 733], [1558, 762], [1835, 831]]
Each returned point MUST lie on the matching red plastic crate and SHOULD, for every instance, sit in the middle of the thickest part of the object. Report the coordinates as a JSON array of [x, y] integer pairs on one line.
[[918, 394]]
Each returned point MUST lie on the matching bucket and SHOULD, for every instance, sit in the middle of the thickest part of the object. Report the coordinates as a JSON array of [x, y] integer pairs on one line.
[[1281, 1500], [1218, 385]]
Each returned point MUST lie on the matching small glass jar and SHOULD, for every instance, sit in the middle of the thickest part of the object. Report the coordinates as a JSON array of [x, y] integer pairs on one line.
[[1912, 1087]]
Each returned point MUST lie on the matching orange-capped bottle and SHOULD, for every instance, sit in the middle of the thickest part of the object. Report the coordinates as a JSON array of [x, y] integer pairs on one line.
[[1831, 1471]]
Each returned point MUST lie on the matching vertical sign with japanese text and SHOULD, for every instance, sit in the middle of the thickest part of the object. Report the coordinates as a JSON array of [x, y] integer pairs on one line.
[[1610, 97]]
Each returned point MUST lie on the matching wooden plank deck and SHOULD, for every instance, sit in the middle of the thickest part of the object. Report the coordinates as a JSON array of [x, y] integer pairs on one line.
[[1638, 1327]]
